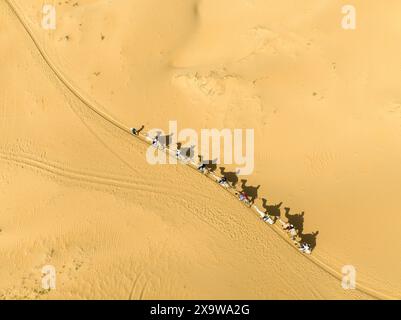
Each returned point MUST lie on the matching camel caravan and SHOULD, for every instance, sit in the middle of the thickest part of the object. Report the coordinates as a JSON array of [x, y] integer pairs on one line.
[[229, 181]]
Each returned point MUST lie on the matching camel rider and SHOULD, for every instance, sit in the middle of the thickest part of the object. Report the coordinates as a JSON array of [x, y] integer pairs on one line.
[[223, 181], [268, 220], [202, 167], [243, 197], [289, 227], [291, 230], [305, 248]]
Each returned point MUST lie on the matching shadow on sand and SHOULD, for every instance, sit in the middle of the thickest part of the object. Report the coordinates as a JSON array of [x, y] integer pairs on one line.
[[274, 210], [232, 177]]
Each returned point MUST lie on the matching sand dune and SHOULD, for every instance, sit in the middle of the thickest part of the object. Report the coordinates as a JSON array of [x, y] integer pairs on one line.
[[78, 193]]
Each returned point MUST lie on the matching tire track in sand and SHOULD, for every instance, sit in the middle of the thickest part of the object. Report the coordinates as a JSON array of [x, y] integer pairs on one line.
[[76, 175], [84, 176]]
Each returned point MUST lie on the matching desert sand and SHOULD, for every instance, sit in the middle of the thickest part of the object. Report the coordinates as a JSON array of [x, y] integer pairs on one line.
[[76, 191]]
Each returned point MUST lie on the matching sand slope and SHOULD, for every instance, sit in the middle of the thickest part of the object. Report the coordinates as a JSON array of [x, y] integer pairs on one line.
[[78, 193]]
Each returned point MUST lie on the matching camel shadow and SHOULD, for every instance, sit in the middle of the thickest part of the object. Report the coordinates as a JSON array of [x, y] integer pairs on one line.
[[297, 220], [251, 191], [309, 239], [272, 210], [209, 164], [231, 177]]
